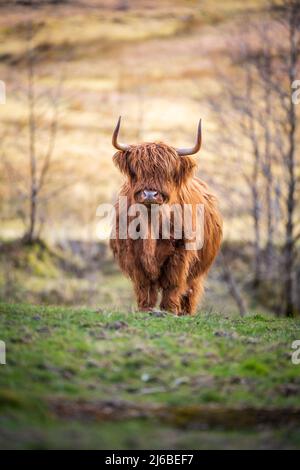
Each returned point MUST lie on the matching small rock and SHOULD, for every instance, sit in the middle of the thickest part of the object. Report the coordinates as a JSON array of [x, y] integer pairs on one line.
[[43, 329], [180, 381], [185, 361], [226, 334], [92, 364], [68, 373], [100, 310], [235, 380], [98, 334], [149, 390], [251, 340], [128, 353], [220, 333], [204, 381], [158, 313], [91, 387], [145, 377], [289, 389], [211, 355], [155, 335], [117, 325], [26, 339]]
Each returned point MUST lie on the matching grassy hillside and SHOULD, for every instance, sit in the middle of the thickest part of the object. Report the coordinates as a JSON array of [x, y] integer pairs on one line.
[[104, 379]]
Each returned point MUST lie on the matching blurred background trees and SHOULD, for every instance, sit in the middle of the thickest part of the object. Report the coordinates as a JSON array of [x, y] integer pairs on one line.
[[258, 118]]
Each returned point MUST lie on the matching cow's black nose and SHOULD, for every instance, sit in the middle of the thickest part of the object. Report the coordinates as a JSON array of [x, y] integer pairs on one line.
[[150, 195]]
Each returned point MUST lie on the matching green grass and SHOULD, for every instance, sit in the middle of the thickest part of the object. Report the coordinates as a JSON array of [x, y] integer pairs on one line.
[[63, 364]]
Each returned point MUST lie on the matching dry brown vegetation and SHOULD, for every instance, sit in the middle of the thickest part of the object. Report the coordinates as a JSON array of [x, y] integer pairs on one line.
[[154, 67]]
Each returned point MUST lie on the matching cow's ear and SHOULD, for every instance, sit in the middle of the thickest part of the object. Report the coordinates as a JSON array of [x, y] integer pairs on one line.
[[186, 169], [121, 161]]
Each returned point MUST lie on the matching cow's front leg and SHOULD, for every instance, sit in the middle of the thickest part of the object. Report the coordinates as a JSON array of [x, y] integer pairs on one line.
[[173, 281], [146, 293], [171, 300]]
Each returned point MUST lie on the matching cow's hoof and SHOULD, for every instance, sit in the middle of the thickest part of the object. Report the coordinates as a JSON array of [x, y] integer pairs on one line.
[[157, 313], [181, 314]]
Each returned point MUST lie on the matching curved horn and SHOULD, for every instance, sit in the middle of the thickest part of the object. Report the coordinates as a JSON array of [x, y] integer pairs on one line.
[[190, 151], [115, 142]]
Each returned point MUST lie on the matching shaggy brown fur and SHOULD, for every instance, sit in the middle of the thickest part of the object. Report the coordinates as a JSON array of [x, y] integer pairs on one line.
[[166, 265]]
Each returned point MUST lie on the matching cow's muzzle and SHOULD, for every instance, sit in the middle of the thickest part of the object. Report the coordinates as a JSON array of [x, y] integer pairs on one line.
[[150, 196]]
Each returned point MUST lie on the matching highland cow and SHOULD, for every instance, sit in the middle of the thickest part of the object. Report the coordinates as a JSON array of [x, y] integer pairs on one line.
[[158, 175]]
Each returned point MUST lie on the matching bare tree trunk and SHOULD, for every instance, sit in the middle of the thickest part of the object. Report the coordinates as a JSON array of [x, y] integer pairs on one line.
[[289, 304], [268, 164], [30, 235], [289, 229], [253, 182], [37, 173], [233, 288], [257, 243]]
